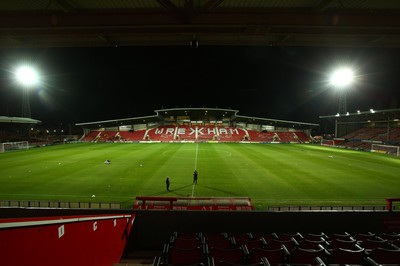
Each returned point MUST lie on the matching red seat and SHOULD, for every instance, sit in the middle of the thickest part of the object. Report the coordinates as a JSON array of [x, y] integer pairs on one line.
[[384, 256], [345, 244], [372, 244], [345, 256], [274, 256], [233, 255], [289, 244], [306, 256], [182, 256], [308, 244]]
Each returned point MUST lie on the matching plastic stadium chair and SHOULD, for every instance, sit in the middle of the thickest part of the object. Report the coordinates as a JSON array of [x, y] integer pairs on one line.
[[263, 262], [345, 256], [182, 256], [233, 255], [381, 256], [307, 256], [364, 236], [219, 242], [308, 244], [210, 235], [343, 236], [315, 236], [395, 244], [266, 236], [287, 236], [186, 242], [390, 236], [345, 244], [289, 244], [251, 243], [274, 256], [158, 261], [369, 244]]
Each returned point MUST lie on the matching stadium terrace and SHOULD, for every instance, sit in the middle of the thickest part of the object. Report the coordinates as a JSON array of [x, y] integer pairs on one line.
[[197, 124]]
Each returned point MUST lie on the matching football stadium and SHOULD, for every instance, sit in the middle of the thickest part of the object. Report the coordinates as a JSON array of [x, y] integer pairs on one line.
[[204, 186]]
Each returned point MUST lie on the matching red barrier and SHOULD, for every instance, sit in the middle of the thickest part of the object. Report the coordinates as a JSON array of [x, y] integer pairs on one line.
[[193, 203], [64, 241], [389, 203]]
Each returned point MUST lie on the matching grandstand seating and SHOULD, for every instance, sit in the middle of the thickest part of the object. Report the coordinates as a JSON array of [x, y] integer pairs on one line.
[[288, 137], [131, 136], [262, 136], [91, 135], [230, 134], [161, 133], [195, 133], [106, 136], [362, 138]]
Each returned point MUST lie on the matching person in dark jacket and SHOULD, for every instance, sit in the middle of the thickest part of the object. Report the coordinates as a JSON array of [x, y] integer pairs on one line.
[[167, 182]]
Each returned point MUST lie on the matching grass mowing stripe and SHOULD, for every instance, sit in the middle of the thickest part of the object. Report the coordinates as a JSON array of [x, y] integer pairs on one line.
[[195, 165]]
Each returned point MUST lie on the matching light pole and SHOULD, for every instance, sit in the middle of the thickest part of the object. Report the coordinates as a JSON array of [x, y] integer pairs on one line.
[[28, 77], [341, 79]]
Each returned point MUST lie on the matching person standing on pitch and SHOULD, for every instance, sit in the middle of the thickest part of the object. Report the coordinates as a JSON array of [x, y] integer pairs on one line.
[[167, 182], [195, 176]]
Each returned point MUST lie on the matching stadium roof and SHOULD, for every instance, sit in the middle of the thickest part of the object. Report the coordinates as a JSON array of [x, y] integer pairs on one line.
[[88, 23], [198, 114], [367, 116], [18, 120]]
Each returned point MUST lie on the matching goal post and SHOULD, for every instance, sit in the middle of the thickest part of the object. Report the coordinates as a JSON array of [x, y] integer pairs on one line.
[[11, 146], [388, 149]]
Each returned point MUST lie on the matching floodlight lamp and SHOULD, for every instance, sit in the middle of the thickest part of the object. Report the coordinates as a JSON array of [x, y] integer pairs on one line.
[[347, 113], [337, 114], [341, 77], [358, 112], [27, 76], [372, 110]]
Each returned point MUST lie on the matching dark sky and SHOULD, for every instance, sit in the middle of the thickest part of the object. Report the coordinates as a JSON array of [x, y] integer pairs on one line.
[[290, 83]]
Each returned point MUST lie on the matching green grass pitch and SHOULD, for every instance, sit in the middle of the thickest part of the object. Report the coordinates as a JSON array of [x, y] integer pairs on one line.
[[270, 174]]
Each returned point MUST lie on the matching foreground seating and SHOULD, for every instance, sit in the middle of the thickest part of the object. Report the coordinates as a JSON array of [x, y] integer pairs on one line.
[[381, 256], [201, 249]]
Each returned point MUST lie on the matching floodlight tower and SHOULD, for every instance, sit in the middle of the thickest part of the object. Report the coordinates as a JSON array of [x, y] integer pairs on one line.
[[27, 77], [341, 79]]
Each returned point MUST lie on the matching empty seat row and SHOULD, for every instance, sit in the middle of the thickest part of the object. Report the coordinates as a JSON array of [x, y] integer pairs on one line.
[[277, 249]]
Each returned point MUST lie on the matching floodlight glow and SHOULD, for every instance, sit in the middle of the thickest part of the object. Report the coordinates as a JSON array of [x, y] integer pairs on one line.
[[372, 110], [341, 77], [347, 113], [27, 76]]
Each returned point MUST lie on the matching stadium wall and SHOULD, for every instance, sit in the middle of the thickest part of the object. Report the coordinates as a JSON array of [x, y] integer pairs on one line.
[[64, 240]]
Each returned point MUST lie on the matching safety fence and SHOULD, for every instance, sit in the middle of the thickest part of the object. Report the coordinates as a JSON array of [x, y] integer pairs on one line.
[[61, 204]]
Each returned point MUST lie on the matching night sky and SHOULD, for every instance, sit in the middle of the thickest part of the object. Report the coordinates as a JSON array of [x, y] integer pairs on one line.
[[290, 83]]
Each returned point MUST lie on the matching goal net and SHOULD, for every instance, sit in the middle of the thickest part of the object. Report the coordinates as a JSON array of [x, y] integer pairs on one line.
[[12, 146], [388, 149]]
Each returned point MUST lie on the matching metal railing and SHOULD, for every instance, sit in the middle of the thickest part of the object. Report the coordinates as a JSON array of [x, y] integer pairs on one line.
[[61, 204], [329, 208]]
